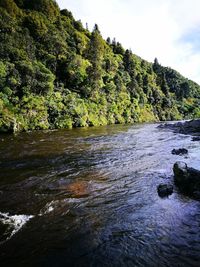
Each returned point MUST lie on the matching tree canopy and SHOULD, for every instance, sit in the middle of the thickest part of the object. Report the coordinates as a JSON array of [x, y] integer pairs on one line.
[[54, 73]]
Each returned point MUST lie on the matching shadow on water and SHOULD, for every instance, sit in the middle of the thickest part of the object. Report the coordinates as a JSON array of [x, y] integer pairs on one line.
[[88, 197]]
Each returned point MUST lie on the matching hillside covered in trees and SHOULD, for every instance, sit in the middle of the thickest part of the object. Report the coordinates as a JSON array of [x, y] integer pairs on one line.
[[54, 73]]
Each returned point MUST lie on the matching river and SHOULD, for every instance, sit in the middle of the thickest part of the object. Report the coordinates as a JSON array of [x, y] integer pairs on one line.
[[88, 197]]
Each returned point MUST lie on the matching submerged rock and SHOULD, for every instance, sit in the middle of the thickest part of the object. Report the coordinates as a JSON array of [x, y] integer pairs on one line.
[[180, 151], [165, 190], [187, 179]]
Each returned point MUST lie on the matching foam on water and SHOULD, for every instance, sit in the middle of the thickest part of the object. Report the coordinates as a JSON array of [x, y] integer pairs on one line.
[[49, 207], [14, 222]]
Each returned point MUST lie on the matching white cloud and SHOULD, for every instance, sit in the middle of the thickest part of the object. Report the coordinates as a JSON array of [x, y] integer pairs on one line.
[[150, 28]]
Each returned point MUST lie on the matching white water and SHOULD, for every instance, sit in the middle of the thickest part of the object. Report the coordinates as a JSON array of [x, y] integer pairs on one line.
[[14, 222]]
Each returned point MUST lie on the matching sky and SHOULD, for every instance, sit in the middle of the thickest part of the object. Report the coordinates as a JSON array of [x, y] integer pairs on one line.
[[166, 29]]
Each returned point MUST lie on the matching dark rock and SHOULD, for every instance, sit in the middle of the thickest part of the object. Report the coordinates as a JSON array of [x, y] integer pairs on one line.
[[164, 190], [187, 179], [179, 151], [180, 170], [188, 127], [196, 138]]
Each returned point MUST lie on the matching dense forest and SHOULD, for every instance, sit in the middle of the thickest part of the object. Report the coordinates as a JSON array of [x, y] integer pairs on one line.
[[54, 73]]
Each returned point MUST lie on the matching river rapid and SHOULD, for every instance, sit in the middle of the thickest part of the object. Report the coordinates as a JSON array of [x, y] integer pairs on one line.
[[88, 197]]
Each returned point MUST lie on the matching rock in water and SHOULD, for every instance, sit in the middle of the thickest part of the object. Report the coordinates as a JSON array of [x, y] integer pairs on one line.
[[164, 190], [188, 127], [196, 138], [180, 170], [179, 151], [187, 179]]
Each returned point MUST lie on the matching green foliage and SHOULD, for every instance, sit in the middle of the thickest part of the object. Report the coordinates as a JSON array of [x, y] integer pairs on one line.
[[56, 74], [47, 7], [3, 70], [95, 56], [67, 13], [11, 7], [33, 113], [36, 24]]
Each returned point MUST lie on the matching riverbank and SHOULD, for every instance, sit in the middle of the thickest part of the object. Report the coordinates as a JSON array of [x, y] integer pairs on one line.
[[191, 127]]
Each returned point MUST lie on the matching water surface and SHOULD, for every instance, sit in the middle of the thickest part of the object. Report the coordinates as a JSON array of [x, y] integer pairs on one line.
[[88, 197]]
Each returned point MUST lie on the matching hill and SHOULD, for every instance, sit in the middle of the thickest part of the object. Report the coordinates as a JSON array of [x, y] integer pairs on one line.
[[54, 73]]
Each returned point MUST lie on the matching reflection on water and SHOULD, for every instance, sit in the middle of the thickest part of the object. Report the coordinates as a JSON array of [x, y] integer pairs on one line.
[[90, 199]]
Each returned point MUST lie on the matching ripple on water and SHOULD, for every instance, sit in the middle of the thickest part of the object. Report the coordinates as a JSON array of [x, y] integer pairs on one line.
[[96, 197]]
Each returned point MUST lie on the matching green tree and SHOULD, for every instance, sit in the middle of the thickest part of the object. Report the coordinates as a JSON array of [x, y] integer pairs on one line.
[[156, 66], [10, 7], [129, 64], [95, 55], [56, 74], [164, 85], [47, 7]]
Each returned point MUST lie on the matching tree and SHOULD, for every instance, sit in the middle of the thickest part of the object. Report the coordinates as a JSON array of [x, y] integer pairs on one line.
[[20, 3], [95, 56], [67, 13], [156, 66], [119, 49], [47, 7], [54, 73], [164, 85], [37, 24], [185, 90], [108, 40], [10, 7], [96, 29], [129, 64]]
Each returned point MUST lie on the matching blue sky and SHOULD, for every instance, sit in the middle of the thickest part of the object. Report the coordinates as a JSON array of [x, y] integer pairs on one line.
[[166, 29]]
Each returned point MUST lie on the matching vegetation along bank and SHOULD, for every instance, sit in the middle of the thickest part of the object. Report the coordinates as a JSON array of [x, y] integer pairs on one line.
[[54, 73]]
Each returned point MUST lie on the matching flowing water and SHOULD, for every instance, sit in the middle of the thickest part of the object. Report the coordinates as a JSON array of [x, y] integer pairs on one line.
[[88, 197]]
